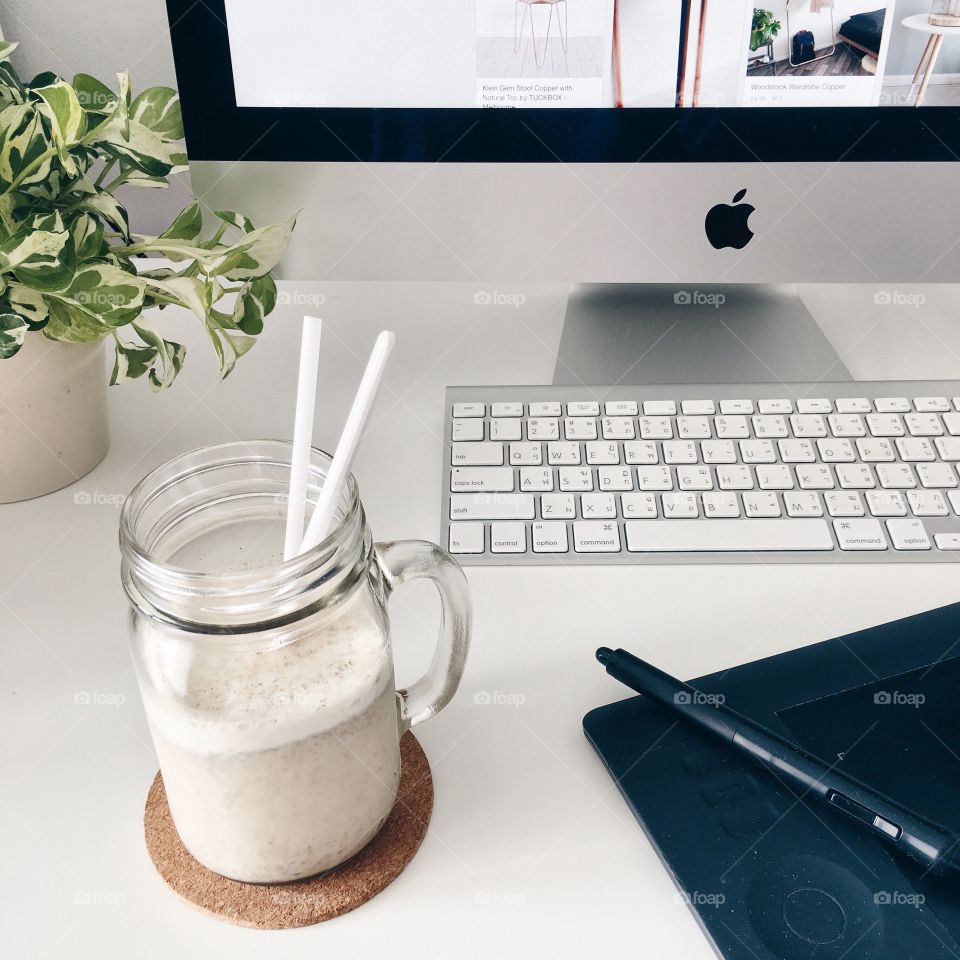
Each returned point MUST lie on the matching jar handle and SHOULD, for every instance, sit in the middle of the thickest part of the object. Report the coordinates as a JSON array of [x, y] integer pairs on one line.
[[405, 560]]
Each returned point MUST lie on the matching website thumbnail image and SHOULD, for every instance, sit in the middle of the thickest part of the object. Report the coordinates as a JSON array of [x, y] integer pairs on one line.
[[593, 53]]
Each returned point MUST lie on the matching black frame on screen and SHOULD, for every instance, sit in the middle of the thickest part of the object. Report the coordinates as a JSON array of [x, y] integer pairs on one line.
[[217, 129]]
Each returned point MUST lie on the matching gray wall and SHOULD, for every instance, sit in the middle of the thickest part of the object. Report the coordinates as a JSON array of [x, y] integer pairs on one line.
[[906, 46], [101, 37]]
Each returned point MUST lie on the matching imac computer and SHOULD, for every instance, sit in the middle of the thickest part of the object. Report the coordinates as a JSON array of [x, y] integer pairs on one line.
[[661, 157], [621, 142]]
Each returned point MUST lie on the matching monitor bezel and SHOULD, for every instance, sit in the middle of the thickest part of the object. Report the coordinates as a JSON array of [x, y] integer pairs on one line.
[[218, 129]]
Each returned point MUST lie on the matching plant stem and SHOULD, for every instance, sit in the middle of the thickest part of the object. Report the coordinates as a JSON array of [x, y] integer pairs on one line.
[[107, 167]]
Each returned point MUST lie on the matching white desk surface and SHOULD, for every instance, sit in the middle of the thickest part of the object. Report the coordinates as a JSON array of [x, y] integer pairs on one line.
[[531, 852]]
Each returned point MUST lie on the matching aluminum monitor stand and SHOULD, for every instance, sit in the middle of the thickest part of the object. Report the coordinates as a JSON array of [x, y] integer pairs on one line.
[[711, 333]]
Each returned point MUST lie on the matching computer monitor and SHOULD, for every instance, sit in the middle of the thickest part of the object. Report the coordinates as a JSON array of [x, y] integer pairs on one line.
[[659, 155]]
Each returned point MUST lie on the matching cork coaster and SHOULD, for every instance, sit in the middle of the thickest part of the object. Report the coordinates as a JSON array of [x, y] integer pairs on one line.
[[303, 902]]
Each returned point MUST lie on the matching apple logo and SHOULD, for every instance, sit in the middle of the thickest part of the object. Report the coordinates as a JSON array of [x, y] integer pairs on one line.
[[727, 225]]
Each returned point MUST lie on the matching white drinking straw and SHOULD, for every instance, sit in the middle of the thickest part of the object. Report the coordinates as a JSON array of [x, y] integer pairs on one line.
[[322, 518], [302, 435]]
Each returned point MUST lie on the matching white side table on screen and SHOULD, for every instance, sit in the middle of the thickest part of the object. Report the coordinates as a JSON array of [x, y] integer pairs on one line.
[[928, 60]]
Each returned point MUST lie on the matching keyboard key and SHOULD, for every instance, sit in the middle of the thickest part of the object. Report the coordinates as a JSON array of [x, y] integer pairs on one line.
[[742, 407], [860, 535], [508, 538], [615, 478], [896, 476], [726, 536], [817, 405], [931, 404], [923, 425], [469, 409], [775, 406], [807, 426], [796, 451], [800, 503], [757, 451], [583, 408], [575, 478], [836, 451], [635, 506], [480, 479], [875, 450], [506, 409], [579, 428], [558, 506], [770, 427], [817, 476], [621, 408], [855, 476], [913, 449], [737, 477], [948, 447], [718, 451], [654, 478], [679, 505], [655, 428], [506, 429], [477, 454], [549, 537], [936, 475], [954, 497], [596, 536], [526, 454], [466, 537], [847, 425], [563, 454], [491, 506], [886, 503], [548, 408], [853, 405], [599, 451], [908, 535], [947, 541], [720, 505], [536, 479], [467, 430], [598, 506], [543, 428], [776, 477], [952, 422], [679, 451], [761, 505], [617, 428], [892, 405], [659, 408], [694, 478], [693, 428], [640, 451], [885, 425], [703, 408], [731, 428], [927, 503], [844, 503]]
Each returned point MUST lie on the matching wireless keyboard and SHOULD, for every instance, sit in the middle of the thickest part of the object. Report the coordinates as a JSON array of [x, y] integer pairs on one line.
[[768, 472]]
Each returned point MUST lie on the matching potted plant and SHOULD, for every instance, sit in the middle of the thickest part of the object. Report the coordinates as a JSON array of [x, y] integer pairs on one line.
[[764, 29], [69, 281]]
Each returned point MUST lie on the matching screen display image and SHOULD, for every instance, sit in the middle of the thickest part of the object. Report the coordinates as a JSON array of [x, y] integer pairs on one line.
[[587, 53]]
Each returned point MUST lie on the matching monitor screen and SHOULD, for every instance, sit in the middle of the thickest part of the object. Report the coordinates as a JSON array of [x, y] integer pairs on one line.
[[583, 53], [378, 81]]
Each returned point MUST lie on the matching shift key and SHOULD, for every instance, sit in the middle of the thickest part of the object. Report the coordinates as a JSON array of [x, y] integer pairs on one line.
[[491, 506], [477, 454]]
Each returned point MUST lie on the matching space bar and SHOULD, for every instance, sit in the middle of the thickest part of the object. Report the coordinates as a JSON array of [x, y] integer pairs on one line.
[[723, 536]]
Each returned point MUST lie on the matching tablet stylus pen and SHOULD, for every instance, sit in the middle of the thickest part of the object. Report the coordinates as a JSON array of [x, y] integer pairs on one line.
[[913, 835]]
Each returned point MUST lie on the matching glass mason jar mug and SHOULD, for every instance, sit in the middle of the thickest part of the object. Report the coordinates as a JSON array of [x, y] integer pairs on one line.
[[268, 684]]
